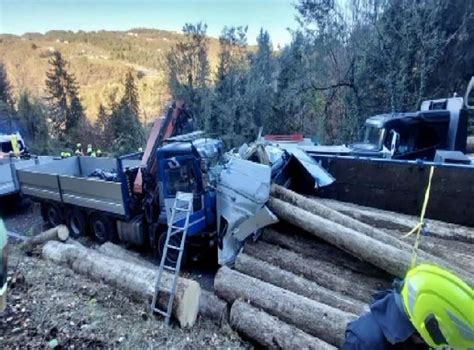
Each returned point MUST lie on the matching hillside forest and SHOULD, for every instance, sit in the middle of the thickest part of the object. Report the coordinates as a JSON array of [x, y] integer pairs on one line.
[[347, 60]]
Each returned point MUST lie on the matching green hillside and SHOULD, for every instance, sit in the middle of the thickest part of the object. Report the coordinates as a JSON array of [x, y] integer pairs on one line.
[[99, 61]]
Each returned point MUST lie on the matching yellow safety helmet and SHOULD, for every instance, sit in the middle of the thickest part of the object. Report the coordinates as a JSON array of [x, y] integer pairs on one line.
[[440, 306]]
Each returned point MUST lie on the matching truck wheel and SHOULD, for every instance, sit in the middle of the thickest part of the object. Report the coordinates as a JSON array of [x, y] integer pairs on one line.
[[172, 255], [101, 227], [52, 214], [76, 222]]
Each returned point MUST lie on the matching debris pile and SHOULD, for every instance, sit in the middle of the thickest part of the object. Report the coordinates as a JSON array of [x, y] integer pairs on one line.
[[305, 282]]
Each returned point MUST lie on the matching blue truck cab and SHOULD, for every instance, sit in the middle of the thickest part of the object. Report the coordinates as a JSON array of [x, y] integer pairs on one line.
[[185, 166]]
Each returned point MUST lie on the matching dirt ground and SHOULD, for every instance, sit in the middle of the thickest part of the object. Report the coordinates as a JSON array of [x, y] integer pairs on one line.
[[53, 307]]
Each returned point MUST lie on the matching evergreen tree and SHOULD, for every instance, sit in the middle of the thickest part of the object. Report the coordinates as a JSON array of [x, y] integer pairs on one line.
[[5, 88], [231, 116], [66, 111], [32, 114], [261, 86], [125, 126], [188, 72]]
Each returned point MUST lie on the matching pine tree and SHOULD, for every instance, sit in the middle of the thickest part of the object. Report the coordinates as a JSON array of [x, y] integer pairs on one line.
[[125, 126], [5, 88], [66, 111], [31, 114], [189, 70], [261, 86], [231, 116]]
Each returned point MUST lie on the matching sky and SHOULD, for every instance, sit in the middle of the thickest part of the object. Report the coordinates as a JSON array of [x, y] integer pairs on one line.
[[21, 16]]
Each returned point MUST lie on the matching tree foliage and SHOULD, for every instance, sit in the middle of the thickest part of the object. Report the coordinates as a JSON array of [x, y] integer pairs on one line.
[[32, 114], [188, 70], [65, 108], [5, 88], [124, 122]]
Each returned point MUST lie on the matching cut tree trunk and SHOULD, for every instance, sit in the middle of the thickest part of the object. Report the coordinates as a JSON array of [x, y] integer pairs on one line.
[[213, 307], [287, 280], [460, 253], [58, 233], [397, 221], [269, 331], [137, 281], [320, 320], [118, 252], [313, 206], [327, 275], [382, 255], [309, 246], [210, 305]]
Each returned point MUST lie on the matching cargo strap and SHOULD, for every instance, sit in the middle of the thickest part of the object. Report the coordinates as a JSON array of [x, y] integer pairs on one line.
[[420, 226]]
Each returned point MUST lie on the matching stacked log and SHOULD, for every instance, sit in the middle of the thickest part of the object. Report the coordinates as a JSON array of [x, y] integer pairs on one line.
[[210, 305], [138, 281], [315, 273]]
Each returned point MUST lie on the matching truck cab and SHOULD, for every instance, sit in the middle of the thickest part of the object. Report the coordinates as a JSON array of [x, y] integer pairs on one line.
[[185, 165], [438, 125]]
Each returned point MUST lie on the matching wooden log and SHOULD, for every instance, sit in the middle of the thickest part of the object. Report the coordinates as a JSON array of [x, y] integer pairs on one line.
[[303, 244], [118, 252], [382, 255], [317, 319], [269, 332], [460, 253], [138, 281], [210, 305], [213, 307], [325, 274], [58, 233], [297, 284], [313, 206], [397, 221]]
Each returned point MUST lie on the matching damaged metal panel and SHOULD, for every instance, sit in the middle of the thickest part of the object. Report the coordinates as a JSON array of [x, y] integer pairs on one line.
[[243, 189], [308, 166]]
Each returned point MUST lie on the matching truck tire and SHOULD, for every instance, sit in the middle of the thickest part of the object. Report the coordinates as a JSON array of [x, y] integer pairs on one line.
[[76, 223], [172, 255], [52, 214], [101, 227]]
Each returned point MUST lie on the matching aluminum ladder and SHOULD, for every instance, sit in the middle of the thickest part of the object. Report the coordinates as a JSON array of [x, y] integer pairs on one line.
[[182, 207]]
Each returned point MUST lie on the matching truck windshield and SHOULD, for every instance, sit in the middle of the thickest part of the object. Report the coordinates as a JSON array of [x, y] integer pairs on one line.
[[373, 136], [181, 178]]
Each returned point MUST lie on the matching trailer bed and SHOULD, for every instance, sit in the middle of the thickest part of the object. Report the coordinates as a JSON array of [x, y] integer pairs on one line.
[[68, 181]]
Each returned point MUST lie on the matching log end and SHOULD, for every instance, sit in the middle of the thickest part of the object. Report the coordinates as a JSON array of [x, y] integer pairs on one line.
[[189, 307], [63, 233]]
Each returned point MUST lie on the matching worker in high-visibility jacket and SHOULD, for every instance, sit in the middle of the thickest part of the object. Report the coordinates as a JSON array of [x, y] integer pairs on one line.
[[78, 151], [430, 308]]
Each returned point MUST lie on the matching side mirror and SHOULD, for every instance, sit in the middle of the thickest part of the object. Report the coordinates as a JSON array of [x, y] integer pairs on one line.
[[469, 99]]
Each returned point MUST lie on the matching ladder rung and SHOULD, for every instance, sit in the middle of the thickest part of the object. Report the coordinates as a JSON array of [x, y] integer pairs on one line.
[[176, 227], [165, 290], [174, 247], [169, 268], [182, 209], [161, 312], [172, 233]]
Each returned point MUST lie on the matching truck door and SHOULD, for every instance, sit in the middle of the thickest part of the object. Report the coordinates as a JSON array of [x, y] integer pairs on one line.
[[182, 174]]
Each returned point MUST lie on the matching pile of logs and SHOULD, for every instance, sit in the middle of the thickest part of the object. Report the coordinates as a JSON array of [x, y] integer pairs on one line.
[[300, 284]]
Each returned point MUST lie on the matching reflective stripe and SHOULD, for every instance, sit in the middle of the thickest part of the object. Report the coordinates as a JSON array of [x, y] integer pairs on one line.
[[412, 292], [466, 331]]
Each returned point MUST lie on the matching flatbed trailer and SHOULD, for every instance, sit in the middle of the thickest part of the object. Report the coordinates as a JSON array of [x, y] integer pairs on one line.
[[68, 193], [9, 184]]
